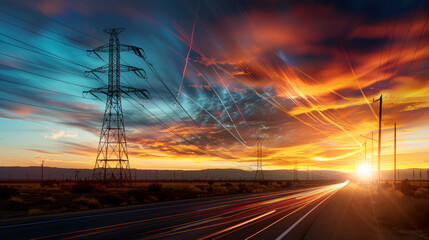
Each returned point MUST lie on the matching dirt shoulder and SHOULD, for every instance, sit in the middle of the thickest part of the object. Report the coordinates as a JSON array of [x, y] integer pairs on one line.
[[363, 212]]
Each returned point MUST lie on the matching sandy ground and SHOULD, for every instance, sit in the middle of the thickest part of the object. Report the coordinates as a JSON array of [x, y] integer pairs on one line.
[[352, 214]]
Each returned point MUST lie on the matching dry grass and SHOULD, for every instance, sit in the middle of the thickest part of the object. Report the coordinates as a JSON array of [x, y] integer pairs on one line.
[[35, 211], [399, 211], [32, 199], [90, 203]]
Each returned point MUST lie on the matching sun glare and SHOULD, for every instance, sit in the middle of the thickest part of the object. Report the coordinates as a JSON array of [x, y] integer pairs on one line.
[[364, 171]]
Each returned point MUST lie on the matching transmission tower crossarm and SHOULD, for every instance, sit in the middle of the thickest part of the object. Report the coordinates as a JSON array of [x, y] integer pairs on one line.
[[139, 92], [123, 68]]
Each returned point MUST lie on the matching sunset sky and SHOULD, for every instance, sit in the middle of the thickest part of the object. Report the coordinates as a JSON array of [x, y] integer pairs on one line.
[[301, 75]]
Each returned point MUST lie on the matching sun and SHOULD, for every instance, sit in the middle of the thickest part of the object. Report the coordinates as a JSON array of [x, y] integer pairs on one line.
[[364, 171]]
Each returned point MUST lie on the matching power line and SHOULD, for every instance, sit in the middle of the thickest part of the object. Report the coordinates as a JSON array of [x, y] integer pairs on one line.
[[53, 39], [40, 75], [53, 54], [41, 27]]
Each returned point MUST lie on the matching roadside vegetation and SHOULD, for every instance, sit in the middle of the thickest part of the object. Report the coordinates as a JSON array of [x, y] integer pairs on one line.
[[404, 205], [29, 199]]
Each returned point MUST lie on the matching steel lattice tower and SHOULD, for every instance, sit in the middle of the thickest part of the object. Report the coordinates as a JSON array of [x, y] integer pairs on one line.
[[259, 174], [112, 163]]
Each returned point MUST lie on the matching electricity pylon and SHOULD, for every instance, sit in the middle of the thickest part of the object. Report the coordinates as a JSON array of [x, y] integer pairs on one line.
[[295, 170], [259, 174], [112, 163]]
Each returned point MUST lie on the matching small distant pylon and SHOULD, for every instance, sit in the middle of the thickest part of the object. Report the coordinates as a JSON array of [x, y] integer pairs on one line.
[[295, 170], [259, 174]]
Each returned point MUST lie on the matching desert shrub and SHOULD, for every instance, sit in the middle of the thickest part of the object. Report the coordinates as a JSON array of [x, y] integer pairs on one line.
[[34, 211], [211, 182], [421, 212], [6, 191], [66, 187], [228, 185], [220, 190], [49, 183], [167, 194], [87, 202], [154, 187], [386, 184], [244, 188], [265, 183], [47, 200], [406, 188], [139, 194], [83, 187], [421, 193], [110, 199], [153, 198], [15, 200], [193, 189]]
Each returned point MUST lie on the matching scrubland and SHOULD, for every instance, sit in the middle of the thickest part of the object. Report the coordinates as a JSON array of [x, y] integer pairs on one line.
[[29, 199]]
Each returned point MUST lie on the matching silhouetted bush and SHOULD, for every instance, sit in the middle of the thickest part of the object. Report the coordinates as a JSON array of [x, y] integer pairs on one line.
[[49, 183], [211, 182], [286, 184], [154, 187], [386, 184], [139, 194], [228, 185], [83, 187], [6, 191], [110, 199], [421, 193], [87, 202], [265, 183], [244, 188], [47, 200], [406, 188]]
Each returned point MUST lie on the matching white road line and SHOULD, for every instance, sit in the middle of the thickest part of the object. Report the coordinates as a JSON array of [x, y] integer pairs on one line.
[[302, 218]]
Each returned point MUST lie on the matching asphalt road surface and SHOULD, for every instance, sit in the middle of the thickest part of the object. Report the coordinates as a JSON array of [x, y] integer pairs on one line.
[[277, 215]]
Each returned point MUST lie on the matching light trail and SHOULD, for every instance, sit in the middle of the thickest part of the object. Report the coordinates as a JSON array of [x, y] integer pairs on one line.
[[244, 144], [335, 158], [356, 79], [223, 83], [214, 90], [189, 51]]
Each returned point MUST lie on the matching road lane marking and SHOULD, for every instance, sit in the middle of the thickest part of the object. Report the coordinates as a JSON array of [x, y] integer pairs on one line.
[[296, 210], [297, 222], [196, 223], [302, 218], [238, 225]]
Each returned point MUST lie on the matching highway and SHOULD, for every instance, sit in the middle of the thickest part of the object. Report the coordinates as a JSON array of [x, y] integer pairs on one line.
[[284, 214]]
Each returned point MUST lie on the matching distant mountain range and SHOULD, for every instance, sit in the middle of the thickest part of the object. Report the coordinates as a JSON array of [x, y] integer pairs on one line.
[[34, 173]]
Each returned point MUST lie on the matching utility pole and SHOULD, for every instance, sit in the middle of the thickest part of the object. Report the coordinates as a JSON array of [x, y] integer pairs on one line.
[[379, 133], [41, 176], [394, 172], [259, 174], [295, 170], [372, 153], [365, 153], [112, 163], [420, 182]]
